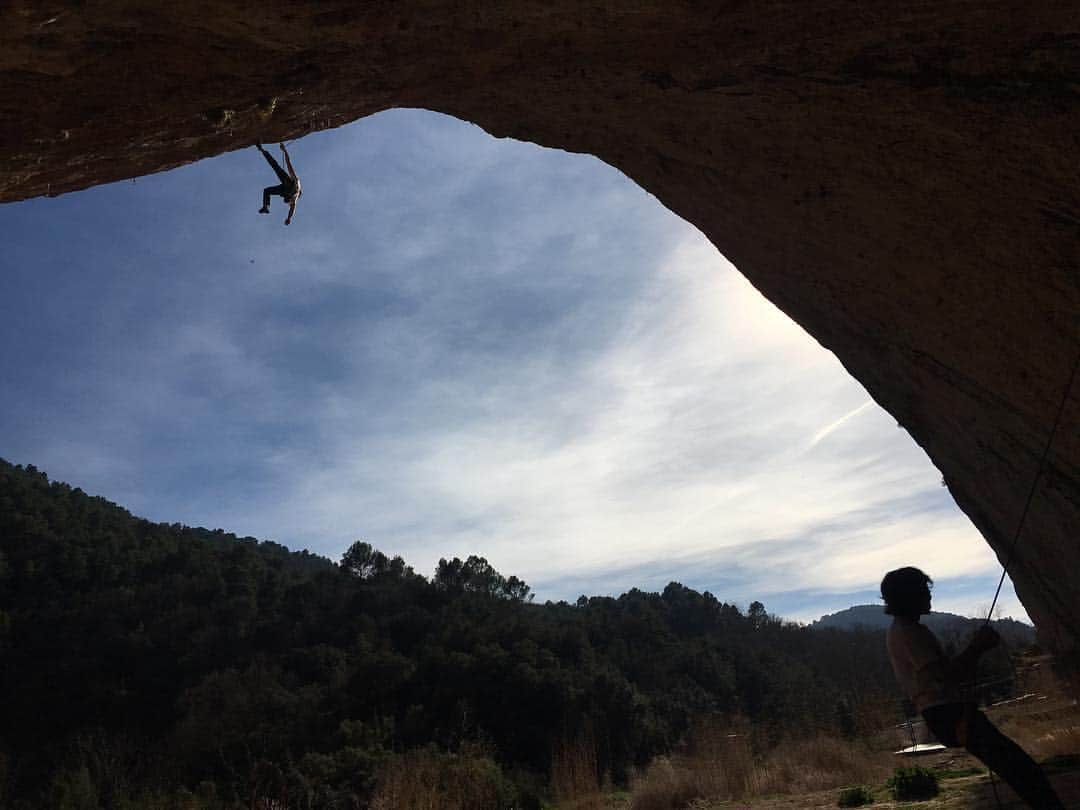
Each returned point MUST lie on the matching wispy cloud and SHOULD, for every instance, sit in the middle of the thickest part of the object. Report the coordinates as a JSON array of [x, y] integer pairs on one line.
[[829, 428]]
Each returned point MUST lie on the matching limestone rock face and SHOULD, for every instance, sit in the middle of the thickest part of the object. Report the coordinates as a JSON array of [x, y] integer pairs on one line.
[[903, 182]]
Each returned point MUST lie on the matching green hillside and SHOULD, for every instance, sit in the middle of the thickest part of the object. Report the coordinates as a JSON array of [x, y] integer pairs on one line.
[[143, 664]]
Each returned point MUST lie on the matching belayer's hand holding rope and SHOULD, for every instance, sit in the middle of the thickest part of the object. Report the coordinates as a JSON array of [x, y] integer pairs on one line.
[[289, 189]]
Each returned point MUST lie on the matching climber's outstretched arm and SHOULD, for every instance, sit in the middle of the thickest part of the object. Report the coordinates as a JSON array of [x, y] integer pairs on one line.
[[288, 163]]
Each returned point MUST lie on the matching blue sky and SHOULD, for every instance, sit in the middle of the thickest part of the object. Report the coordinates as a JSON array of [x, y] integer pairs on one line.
[[462, 345]]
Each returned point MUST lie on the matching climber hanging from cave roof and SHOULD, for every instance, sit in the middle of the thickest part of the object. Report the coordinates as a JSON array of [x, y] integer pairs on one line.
[[289, 189]]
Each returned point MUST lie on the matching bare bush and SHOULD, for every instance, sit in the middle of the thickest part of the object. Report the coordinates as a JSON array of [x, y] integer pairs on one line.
[[721, 764], [427, 779], [667, 787], [820, 763], [575, 776]]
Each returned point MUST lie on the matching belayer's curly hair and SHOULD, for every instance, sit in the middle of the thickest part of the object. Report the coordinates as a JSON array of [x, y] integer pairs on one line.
[[903, 591]]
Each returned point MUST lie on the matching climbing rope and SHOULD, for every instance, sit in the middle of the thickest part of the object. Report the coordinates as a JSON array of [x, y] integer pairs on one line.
[[1034, 484], [1020, 528]]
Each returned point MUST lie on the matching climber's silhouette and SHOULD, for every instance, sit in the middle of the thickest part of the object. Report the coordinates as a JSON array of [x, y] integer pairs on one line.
[[289, 189], [933, 681]]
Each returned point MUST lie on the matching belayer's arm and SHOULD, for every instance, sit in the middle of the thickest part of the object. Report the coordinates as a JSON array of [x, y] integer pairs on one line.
[[961, 667]]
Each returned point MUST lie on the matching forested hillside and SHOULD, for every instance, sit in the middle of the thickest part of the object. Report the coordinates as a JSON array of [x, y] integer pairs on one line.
[[143, 661]]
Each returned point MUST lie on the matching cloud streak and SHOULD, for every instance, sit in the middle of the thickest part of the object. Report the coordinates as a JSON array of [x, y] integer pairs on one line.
[[829, 428]]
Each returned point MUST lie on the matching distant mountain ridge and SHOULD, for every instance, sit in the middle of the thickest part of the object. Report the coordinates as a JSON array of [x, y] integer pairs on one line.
[[947, 626]]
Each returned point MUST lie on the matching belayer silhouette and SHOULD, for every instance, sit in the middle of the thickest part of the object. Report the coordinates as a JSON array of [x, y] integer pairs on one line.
[[932, 681], [289, 189]]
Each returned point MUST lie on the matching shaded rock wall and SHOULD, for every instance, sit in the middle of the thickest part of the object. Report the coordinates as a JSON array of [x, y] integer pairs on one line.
[[904, 184]]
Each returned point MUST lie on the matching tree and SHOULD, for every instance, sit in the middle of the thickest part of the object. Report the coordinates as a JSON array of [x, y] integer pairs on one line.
[[448, 575], [364, 561], [757, 615], [477, 575], [517, 589], [481, 577]]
